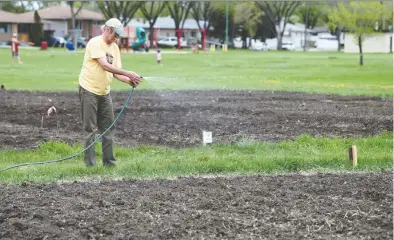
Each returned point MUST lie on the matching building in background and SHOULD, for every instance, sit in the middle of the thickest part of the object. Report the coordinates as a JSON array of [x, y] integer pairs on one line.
[[57, 20], [377, 43], [165, 27]]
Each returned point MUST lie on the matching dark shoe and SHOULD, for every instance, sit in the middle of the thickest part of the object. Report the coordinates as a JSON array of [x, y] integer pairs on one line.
[[110, 163]]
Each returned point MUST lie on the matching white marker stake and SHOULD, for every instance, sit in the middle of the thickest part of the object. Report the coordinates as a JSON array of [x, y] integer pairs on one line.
[[206, 137]]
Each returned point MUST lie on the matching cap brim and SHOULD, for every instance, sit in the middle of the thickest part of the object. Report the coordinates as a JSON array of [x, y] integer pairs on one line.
[[120, 32]]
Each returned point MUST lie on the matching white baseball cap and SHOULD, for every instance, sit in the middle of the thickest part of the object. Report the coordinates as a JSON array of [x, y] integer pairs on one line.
[[14, 34], [117, 26]]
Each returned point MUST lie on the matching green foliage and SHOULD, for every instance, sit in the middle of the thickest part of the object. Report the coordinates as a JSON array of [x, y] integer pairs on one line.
[[122, 10], [359, 18], [13, 6], [315, 13], [305, 153], [179, 11], [248, 16], [278, 13], [37, 32], [152, 10], [203, 11], [315, 72], [218, 20]]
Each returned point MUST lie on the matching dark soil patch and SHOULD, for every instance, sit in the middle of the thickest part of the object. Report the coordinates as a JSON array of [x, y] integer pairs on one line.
[[322, 206], [177, 119]]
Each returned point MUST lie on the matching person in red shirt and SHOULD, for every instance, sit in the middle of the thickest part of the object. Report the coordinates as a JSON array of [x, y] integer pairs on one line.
[[15, 48]]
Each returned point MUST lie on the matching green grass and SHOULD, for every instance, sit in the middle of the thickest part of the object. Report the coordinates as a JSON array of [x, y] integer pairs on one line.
[[314, 72], [303, 154]]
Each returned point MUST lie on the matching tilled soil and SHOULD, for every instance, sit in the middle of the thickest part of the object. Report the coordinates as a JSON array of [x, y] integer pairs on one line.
[[298, 206], [177, 118]]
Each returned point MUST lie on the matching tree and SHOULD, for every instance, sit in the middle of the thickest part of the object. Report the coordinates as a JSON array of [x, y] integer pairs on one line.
[[248, 17], [314, 12], [122, 10], [359, 18], [13, 6], [36, 31], [73, 19], [203, 11], [218, 20], [151, 11], [179, 11], [279, 14]]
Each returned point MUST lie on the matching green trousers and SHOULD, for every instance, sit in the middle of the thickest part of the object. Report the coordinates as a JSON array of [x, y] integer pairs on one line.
[[97, 115]]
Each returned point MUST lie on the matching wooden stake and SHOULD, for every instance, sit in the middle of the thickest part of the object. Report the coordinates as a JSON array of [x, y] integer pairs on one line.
[[353, 155]]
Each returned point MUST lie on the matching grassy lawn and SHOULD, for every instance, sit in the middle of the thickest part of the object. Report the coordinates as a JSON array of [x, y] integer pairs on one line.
[[303, 154], [316, 72]]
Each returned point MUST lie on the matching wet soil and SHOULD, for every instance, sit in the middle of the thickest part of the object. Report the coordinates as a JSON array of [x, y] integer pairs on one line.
[[296, 206], [177, 119]]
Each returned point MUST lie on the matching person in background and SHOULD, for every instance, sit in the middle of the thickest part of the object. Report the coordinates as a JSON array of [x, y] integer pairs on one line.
[[195, 48], [158, 57], [100, 65], [15, 48]]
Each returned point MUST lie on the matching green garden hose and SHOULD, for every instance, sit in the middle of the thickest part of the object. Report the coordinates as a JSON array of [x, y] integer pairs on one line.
[[72, 156]]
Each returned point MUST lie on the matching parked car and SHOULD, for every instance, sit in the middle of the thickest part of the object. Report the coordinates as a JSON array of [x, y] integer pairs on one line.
[[259, 46], [171, 42], [81, 42], [218, 45], [56, 41], [288, 46], [208, 44]]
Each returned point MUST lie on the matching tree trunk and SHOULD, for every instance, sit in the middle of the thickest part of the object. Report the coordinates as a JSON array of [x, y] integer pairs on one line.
[[279, 44], [178, 36], [338, 32], [361, 50], [306, 25], [244, 39], [151, 34], [73, 20], [74, 32]]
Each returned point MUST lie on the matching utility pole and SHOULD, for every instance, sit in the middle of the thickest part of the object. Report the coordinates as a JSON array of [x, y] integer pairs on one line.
[[227, 22], [306, 24], [383, 20]]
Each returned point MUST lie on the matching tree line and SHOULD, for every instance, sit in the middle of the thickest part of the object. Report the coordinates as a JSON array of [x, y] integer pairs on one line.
[[246, 19]]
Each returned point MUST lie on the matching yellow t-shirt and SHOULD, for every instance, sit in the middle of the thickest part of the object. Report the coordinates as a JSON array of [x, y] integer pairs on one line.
[[92, 77]]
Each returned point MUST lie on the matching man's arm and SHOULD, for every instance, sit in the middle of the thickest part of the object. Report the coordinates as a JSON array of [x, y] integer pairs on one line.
[[127, 80], [109, 68], [131, 76], [122, 78]]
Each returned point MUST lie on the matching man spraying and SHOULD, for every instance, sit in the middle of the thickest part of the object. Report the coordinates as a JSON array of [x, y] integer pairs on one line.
[[101, 63]]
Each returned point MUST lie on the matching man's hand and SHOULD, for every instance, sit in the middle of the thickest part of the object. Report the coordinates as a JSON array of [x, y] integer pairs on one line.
[[135, 79], [127, 80]]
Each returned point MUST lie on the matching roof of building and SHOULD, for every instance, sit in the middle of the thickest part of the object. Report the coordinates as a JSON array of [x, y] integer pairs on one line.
[[63, 13], [8, 17], [321, 29], [298, 27], [166, 23]]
